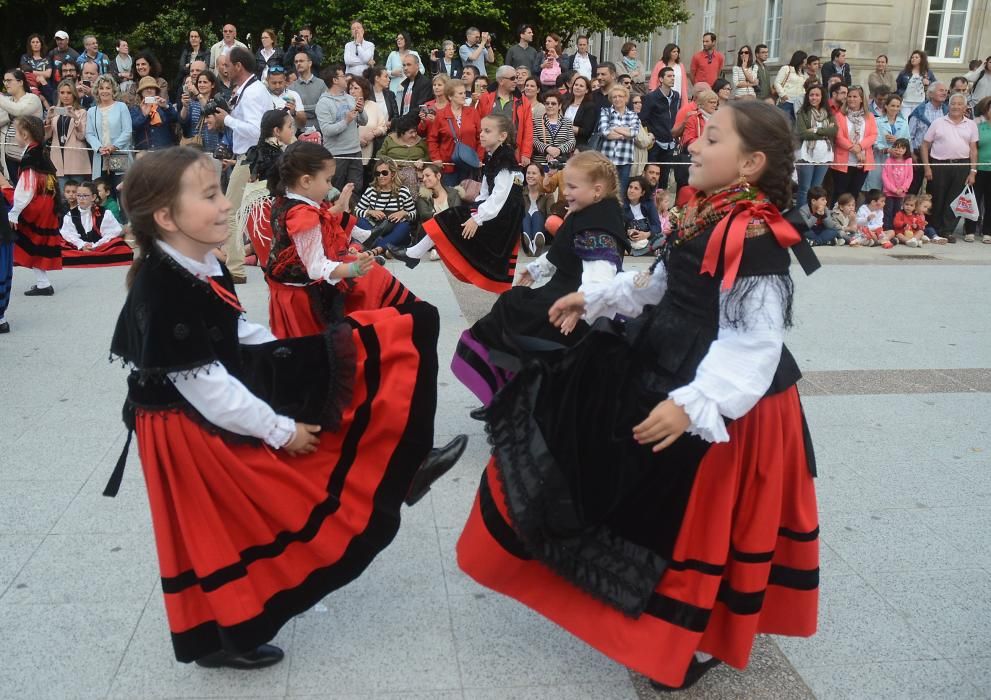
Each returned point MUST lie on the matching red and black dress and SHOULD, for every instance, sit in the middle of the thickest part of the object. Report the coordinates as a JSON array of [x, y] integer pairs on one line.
[[33, 208], [588, 248], [488, 259], [650, 557], [309, 241], [100, 230], [247, 535]]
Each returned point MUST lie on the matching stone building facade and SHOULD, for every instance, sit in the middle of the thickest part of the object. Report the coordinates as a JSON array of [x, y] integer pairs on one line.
[[952, 32]]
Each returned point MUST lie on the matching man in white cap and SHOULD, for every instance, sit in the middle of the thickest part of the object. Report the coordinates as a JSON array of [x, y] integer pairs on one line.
[[62, 53]]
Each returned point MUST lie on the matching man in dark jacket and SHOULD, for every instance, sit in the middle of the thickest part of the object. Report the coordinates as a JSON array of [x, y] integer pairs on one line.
[[582, 62], [837, 66], [660, 107], [417, 88]]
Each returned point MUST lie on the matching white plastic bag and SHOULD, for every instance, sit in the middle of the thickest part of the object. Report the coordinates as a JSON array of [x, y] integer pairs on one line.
[[965, 204]]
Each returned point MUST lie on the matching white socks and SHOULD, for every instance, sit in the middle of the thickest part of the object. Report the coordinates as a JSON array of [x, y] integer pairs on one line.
[[41, 278], [360, 234], [421, 248]]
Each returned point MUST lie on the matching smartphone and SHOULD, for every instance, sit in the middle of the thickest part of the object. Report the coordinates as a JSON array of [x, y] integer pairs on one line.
[[60, 111], [151, 100], [88, 83], [288, 99]]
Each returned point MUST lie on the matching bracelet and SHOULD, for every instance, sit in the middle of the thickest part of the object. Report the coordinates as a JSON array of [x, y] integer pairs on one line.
[[355, 270]]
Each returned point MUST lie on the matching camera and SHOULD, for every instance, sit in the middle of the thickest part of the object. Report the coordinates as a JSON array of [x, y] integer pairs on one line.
[[554, 164], [150, 100], [297, 39], [223, 152], [88, 83], [217, 103]]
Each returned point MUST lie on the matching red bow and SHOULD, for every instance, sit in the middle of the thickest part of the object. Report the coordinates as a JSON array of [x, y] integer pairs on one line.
[[227, 296], [735, 234]]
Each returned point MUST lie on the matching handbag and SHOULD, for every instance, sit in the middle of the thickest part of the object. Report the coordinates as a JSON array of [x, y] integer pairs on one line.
[[595, 142], [774, 91], [965, 204], [116, 163], [196, 140], [463, 155], [471, 189]]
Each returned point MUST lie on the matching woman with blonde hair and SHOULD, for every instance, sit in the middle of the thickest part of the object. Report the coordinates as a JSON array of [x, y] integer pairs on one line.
[[386, 211], [108, 132], [66, 128], [619, 127]]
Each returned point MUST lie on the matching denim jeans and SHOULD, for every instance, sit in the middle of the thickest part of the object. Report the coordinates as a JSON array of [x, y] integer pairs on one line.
[[809, 175], [398, 236], [624, 177], [532, 223]]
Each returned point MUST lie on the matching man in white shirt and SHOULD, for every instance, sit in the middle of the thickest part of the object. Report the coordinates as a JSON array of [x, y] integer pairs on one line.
[[225, 45], [582, 61], [249, 101], [358, 53]]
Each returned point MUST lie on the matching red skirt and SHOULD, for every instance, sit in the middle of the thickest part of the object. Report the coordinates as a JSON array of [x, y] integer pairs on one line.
[[38, 243], [296, 311], [745, 561], [248, 536], [113, 252]]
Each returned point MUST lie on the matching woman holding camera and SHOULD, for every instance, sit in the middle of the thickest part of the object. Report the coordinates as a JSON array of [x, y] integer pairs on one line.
[[145, 66], [66, 128], [152, 118], [192, 105], [455, 122], [553, 134], [446, 61]]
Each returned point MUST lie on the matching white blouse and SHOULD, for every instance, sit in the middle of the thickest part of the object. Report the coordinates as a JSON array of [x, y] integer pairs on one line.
[[738, 368], [110, 228], [494, 200], [219, 397], [309, 246]]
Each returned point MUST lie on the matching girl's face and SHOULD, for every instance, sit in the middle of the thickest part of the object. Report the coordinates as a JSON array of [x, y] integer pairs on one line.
[[355, 90], [876, 205], [908, 207], [35, 44], [142, 67], [123, 48], [893, 108], [23, 137], [815, 98], [633, 53], [533, 175], [491, 137], [430, 179], [198, 224], [203, 85], [718, 158], [849, 208], [924, 207], [549, 43], [634, 192], [14, 87], [595, 84], [382, 80], [317, 185], [84, 197], [898, 152], [65, 96], [102, 193], [675, 54], [818, 206], [286, 134], [916, 59], [400, 42], [579, 88], [579, 190], [663, 201]]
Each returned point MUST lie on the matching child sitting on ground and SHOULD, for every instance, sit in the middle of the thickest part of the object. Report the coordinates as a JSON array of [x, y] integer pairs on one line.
[[106, 198], [870, 220], [843, 217], [907, 226], [923, 208], [69, 189], [814, 220]]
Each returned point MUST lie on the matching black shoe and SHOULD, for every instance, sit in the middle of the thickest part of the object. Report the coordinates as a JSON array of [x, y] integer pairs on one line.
[[696, 669], [4, 327], [37, 291], [950, 238], [437, 464], [400, 254], [264, 655], [380, 259], [480, 413], [239, 279]]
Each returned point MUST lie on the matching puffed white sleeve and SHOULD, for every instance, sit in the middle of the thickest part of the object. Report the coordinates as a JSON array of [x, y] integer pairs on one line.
[[109, 228], [740, 365], [23, 194], [249, 333], [541, 269], [69, 233], [225, 402], [490, 208], [309, 245], [621, 294]]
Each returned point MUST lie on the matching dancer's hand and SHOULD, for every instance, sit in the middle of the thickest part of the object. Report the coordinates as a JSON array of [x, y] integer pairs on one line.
[[663, 425], [525, 280], [573, 303], [304, 441], [469, 228]]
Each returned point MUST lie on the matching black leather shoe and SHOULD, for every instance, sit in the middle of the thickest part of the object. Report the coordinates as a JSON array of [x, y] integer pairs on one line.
[[265, 655], [400, 254], [437, 464], [379, 259], [4, 327], [696, 669], [37, 291]]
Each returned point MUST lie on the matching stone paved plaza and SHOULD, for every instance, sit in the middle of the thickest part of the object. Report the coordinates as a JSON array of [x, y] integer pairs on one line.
[[896, 357]]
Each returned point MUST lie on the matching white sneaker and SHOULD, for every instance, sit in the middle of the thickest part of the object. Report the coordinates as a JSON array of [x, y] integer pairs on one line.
[[940, 240], [969, 238], [539, 240], [912, 243], [924, 240], [434, 255], [840, 241], [986, 239], [528, 245], [360, 234]]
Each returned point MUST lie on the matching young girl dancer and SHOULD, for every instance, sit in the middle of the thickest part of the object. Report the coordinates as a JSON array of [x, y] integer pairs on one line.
[[588, 248], [313, 279], [92, 236], [6, 262], [275, 469], [33, 208], [651, 491], [479, 244]]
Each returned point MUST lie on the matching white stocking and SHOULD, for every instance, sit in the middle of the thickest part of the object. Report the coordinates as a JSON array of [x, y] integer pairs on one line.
[[421, 248], [41, 278]]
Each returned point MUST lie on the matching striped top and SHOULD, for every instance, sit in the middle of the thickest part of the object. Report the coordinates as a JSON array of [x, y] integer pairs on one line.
[[388, 202]]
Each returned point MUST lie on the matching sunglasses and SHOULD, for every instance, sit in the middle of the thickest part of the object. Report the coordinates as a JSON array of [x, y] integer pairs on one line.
[[382, 173], [277, 70], [744, 53]]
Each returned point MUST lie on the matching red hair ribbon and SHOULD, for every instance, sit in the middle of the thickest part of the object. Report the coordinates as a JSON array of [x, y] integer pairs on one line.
[[733, 229], [227, 296]]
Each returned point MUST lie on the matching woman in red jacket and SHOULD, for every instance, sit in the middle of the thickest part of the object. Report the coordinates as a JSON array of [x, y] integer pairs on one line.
[[856, 132], [454, 121]]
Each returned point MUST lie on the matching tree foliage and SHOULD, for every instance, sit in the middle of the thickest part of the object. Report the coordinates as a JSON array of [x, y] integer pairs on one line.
[[162, 26]]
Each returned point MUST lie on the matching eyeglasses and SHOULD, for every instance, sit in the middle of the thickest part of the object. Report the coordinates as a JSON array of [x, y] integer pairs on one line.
[[382, 173], [745, 52], [84, 196]]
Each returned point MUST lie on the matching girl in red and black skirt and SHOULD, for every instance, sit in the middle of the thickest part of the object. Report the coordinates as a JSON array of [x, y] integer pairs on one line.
[[651, 491], [33, 208], [313, 279], [275, 469], [92, 237], [479, 243]]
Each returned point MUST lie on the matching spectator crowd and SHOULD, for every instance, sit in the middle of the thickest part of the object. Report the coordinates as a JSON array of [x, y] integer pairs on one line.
[[878, 163]]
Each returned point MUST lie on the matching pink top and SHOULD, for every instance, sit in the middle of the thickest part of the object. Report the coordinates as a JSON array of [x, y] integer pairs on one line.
[[896, 177], [949, 140]]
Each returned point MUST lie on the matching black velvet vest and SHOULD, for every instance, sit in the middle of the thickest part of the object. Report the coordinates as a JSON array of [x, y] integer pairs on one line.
[[602, 217]]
